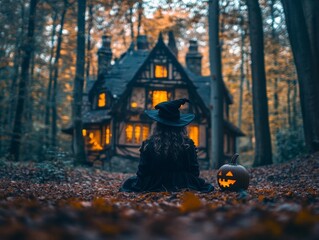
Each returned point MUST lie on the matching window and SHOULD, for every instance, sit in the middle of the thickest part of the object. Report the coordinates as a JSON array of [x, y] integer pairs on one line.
[[138, 98], [108, 134], [84, 132], [129, 133], [92, 138], [101, 102], [158, 97], [160, 71], [146, 131], [136, 133], [193, 132]]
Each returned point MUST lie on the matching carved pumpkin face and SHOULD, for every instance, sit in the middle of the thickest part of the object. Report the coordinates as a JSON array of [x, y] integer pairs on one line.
[[233, 177], [227, 181]]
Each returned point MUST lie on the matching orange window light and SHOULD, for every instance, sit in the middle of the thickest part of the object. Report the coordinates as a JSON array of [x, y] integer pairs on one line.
[[94, 140], [134, 104], [145, 132], [158, 97], [102, 100], [107, 135], [194, 134], [129, 133], [84, 132], [160, 71], [137, 134]]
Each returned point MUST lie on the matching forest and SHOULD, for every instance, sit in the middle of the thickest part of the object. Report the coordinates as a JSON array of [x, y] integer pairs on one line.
[[76, 77]]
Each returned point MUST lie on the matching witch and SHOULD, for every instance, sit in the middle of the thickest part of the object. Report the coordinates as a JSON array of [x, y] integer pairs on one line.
[[168, 159]]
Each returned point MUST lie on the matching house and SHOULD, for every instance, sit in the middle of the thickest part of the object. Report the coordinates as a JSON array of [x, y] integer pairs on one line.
[[113, 111]]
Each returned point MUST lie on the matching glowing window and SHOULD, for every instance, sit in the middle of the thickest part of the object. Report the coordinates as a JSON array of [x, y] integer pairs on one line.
[[102, 100], [93, 139], [194, 134], [129, 133], [134, 104], [158, 97], [84, 132], [160, 71], [108, 134], [145, 132], [137, 134]]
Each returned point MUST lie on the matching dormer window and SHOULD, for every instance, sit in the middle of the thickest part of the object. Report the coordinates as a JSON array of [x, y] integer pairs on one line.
[[101, 102], [160, 71]]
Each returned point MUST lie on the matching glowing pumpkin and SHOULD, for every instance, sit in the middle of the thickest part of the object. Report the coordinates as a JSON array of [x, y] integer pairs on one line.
[[232, 176]]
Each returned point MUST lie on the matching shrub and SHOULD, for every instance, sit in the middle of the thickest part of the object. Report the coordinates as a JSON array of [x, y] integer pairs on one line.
[[290, 143]]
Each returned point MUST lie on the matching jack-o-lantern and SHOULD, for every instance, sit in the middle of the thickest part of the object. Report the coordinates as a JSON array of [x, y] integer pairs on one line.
[[232, 176]]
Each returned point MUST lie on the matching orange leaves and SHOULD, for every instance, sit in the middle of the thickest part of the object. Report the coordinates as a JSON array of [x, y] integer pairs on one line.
[[306, 218], [190, 202], [281, 203]]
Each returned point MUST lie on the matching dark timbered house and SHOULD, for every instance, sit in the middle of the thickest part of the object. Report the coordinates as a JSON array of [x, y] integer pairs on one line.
[[113, 111]]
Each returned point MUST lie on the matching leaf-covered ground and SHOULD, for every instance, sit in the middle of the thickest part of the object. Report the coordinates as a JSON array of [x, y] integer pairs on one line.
[[53, 201]]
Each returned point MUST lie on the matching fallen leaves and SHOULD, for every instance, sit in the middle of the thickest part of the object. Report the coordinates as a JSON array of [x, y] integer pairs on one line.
[[190, 202], [281, 202]]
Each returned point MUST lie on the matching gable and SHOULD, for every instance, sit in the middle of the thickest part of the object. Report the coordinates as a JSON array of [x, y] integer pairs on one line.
[[176, 77], [159, 68]]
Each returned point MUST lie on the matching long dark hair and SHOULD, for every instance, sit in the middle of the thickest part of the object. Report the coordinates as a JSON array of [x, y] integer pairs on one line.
[[169, 141]]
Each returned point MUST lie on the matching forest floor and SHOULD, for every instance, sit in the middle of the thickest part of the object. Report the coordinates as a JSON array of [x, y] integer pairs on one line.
[[56, 201]]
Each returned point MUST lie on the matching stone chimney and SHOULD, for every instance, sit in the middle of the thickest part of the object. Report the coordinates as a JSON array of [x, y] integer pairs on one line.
[[142, 43], [194, 58], [104, 56], [172, 43]]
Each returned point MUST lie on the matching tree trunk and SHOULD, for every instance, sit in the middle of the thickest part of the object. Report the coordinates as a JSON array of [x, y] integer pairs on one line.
[[49, 89], [294, 105], [131, 23], [28, 112], [303, 57], [311, 10], [90, 26], [78, 146], [242, 77], [275, 57], [139, 19], [16, 67], [289, 104], [263, 153], [14, 149], [55, 77], [216, 101]]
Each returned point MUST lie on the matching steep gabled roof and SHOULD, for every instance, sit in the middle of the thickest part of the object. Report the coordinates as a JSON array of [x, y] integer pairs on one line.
[[152, 54], [124, 70], [89, 116], [203, 87]]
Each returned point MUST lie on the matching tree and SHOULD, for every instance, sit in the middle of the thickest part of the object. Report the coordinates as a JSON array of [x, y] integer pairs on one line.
[[216, 102], [55, 75], [49, 88], [263, 152], [78, 143], [242, 74], [14, 149], [305, 52]]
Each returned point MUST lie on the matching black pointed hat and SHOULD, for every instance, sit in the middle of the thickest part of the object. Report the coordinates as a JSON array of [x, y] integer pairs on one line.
[[168, 113]]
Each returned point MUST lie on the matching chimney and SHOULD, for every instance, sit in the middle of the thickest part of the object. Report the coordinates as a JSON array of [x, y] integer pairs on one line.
[[194, 58], [104, 56], [142, 43], [172, 43]]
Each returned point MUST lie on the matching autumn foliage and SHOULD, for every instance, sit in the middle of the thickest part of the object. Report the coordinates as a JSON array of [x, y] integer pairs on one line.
[[54, 201]]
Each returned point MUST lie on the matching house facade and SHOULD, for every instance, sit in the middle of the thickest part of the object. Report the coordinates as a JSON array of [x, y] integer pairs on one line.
[[114, 122]]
